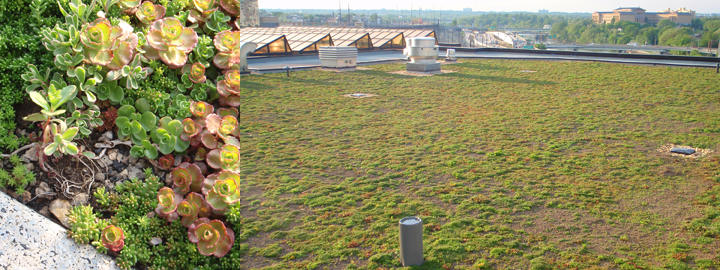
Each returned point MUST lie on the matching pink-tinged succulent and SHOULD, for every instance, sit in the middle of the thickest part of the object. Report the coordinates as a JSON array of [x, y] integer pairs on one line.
[[170, 41], [186, 177], [222, 189], [229, 88], [129, 5], [190, 129], [203, 9], [200, 155], [202, 166], [227, 126], [196, 72], [212, 237], [148, 13], [228, 45], [228, 111], [113, 238], [107, 45], [226, 158], [167, 161], [231, 6], [168, 201], [208, 139], [197, 176], [192, 207], [201, 109]]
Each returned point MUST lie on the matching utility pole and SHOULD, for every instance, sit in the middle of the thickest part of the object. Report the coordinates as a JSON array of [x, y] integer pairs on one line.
[[340, 11]]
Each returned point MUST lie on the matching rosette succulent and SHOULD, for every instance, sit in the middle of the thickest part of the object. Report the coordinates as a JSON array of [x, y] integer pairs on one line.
[[129, 4], [222, 189], [107, 45], [148, 13], [195, 72], [227, 158], [229, 89], [170, 41], [192, 207], [228, 45], [203, 9], [168, 201], [212, 237], [113, 238], [231, 6], [201, 109], [187, 176]]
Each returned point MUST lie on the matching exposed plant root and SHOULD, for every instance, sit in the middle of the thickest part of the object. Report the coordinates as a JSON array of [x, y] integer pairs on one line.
[[18, 150]]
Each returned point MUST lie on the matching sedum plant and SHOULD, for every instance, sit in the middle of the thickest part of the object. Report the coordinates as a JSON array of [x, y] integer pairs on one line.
[[107, 45], [148, 12], [168, 202], [170, 41], [212, 237], [113, 238], [228, 45], [222, 189], [193, 207], [231, 6], [229, 89]]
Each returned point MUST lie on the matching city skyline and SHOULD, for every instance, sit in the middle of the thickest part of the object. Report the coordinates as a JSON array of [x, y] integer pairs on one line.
[[520, 6]]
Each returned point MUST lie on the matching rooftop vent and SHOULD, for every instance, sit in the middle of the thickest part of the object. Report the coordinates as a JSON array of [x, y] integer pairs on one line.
[[423, 54], [337, 57]]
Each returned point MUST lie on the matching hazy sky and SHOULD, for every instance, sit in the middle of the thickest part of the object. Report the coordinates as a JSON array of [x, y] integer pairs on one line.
[[700, 6]]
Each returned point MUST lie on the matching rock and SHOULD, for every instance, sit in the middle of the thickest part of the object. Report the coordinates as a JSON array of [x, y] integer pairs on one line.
[[108, 135], [31, 155], [155, 241], [112, 154], [135, 172], [106, 160], [124, 173], [80, 199], [125, 160], [61, 208], [684, 151], [178, 160], [100, 177], [168, 179], [44, 211], [132, 160], [151, 214], [26, 196], [14, 195], [44, 191], [112, 173], [30, 166], [22, 132], [96, 185], [142, 165], [109, 185]]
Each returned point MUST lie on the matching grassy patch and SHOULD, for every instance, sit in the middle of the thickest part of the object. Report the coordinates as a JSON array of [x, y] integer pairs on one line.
[[508, 170]]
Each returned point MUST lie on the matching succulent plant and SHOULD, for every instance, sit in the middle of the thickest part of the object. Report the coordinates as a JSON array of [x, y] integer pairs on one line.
[[222, 189], [86, 120], [107, 45], [113, 238], [212, 237], [227, 158], [195, 72], [167, 136], [134, 125], [145, 149], [129, 4], [193, 207], [202, 9], [228, 45], [148, 13], [130, 74], [187, 176], [190, 129], [201, 109], [166, 161], [168, 201], [62, 140], [110, 90], [170, 41], [231, 6], [229, 88]]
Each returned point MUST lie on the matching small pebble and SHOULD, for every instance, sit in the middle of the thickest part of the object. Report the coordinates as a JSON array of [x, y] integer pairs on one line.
[[155, 241], [100, 177]]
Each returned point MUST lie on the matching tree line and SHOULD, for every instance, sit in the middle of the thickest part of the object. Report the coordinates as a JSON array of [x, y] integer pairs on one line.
[[582, 30]]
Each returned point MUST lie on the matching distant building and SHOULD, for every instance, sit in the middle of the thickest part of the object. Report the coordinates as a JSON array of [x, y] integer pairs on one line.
[[681, 16], [467, 9], [249, 14], [543, 11], [547, 26], [269, 21]]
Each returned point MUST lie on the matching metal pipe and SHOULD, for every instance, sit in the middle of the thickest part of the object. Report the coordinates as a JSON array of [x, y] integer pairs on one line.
[[411, 241]]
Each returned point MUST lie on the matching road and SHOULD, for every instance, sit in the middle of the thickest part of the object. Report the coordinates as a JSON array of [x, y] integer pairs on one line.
[[274, 64], [621, 47]]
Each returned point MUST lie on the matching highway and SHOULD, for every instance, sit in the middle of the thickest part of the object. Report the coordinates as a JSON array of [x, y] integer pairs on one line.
[[620, 47]]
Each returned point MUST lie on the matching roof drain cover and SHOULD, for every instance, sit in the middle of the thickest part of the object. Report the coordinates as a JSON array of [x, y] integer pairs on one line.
[[684, 151], [359, 95]]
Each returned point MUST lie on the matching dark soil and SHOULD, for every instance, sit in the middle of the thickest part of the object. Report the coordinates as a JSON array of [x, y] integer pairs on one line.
[[24, 109]]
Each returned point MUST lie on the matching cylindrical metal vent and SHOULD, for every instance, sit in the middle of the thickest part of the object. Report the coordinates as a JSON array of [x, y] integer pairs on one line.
[[411, 241]]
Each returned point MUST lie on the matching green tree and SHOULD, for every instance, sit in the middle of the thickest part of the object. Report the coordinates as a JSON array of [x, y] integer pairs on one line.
[[666, 23], [454, 22], [374, 18]]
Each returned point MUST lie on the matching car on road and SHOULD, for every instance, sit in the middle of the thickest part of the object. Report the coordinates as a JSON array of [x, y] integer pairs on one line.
[[632, 44]]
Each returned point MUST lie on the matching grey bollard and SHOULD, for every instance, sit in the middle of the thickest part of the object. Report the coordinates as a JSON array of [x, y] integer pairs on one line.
[[411, 241]]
